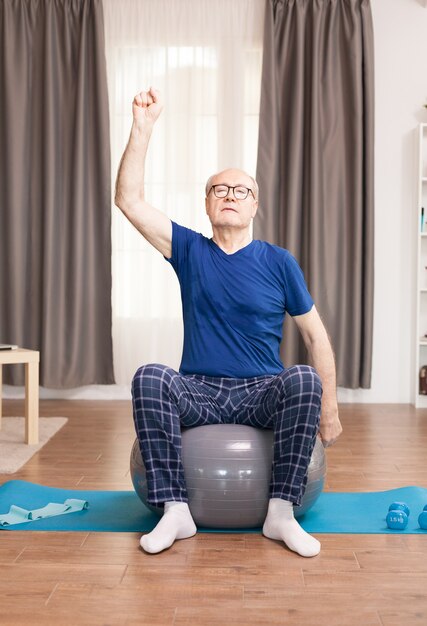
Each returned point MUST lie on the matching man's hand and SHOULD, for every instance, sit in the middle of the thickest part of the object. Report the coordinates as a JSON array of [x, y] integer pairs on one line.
[[330, 427], [147, 106]]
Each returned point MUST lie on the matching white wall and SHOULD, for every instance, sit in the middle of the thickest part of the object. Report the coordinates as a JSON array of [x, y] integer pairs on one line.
[[400, 35], [400, 31]]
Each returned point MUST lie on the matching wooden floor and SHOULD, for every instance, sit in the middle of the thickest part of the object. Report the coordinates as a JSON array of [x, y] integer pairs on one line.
[[216, 579]]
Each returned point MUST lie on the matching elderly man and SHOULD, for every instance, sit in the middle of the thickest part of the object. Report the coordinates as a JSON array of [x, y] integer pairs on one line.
[[235, 292]]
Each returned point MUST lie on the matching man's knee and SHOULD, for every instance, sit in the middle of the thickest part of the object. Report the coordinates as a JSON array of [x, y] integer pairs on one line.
[[150, 380], [300, 380]]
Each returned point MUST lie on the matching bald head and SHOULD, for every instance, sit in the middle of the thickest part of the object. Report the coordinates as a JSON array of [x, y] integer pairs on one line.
[[222, 177]]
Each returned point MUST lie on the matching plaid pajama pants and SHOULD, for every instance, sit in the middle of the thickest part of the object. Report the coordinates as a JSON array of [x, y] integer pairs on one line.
[[164, 400]]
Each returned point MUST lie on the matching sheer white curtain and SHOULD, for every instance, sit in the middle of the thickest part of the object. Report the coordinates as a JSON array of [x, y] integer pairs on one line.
[[205, 56]]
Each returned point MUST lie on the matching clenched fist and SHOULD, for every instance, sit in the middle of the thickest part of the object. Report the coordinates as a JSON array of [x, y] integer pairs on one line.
[[147, 106]]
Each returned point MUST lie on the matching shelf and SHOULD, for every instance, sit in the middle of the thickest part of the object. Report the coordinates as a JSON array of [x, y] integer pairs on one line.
[[420, 400]]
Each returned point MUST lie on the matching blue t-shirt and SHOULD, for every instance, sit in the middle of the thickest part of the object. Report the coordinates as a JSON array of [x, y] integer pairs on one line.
[[234, 304]]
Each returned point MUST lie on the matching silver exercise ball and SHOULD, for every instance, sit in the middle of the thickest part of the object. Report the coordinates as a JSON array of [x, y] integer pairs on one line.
[[227, 471]]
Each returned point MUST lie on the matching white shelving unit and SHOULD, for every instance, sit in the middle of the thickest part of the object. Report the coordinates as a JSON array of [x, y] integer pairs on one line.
[[421, 312]]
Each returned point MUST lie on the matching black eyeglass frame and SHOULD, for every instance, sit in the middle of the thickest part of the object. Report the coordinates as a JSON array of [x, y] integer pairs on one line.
[[228, 189]]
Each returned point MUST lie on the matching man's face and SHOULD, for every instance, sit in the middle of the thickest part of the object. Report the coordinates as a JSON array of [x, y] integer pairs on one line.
[[229, 210]]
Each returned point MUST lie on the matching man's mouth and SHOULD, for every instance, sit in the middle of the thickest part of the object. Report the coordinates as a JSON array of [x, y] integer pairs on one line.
[[229, 208]]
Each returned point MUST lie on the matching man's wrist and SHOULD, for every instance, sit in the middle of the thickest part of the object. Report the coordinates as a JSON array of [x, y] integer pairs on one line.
[[142, 128], [329, 410]]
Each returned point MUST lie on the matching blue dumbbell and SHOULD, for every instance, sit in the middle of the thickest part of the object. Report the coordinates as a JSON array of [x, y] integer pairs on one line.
[[399, 506], [422, 518], [397, 516], [397, 520]]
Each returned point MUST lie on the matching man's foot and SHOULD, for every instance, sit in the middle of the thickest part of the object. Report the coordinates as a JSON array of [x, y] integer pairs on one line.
[[176, 523], [281, 525]]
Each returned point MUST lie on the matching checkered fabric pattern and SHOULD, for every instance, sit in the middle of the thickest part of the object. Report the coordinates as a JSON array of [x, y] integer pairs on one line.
[[164, 400]]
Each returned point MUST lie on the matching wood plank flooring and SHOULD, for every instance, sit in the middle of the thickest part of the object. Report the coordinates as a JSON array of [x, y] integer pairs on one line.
[[216, 579]]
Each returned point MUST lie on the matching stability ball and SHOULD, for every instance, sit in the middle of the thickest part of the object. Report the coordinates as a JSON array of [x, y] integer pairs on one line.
[[227, 471]]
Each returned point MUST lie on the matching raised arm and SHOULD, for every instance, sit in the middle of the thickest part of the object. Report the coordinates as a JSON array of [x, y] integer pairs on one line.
[[154, 225]]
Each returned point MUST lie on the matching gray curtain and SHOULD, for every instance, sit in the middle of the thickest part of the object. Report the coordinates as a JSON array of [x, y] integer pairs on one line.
[[316, 166], [55, 196]]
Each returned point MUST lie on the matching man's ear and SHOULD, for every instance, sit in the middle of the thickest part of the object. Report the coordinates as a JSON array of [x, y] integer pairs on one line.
[[255, 208]]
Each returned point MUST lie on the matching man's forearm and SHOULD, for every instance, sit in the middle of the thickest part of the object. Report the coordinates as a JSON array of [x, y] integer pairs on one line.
[[322, 358], [130, 177]]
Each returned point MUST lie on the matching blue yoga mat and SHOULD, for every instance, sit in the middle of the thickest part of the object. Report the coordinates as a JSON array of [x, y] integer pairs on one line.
[[122, 511]]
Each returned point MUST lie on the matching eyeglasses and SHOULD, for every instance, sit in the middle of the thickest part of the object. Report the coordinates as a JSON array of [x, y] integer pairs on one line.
[[240, 192]]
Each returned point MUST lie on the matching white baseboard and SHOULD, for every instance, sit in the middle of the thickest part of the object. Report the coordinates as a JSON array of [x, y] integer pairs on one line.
[[90, 392]]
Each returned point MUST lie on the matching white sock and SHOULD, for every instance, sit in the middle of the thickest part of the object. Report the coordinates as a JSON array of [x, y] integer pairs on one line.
[[176, 523], [280, 524]]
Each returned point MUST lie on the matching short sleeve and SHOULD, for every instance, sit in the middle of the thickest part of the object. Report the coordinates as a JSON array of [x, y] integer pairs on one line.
[[182, 238], [297, 297]]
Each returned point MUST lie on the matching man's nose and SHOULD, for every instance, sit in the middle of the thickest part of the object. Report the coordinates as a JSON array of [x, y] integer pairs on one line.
[[230, 194]]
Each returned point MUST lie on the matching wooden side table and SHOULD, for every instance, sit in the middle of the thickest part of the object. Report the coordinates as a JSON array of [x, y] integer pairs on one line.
[[31, 359]]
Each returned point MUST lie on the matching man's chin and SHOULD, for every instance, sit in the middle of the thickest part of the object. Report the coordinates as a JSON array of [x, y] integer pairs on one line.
[[229, 222], [229, 216]]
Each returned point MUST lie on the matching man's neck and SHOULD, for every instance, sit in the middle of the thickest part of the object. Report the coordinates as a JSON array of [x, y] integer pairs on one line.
[[231, 241]]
